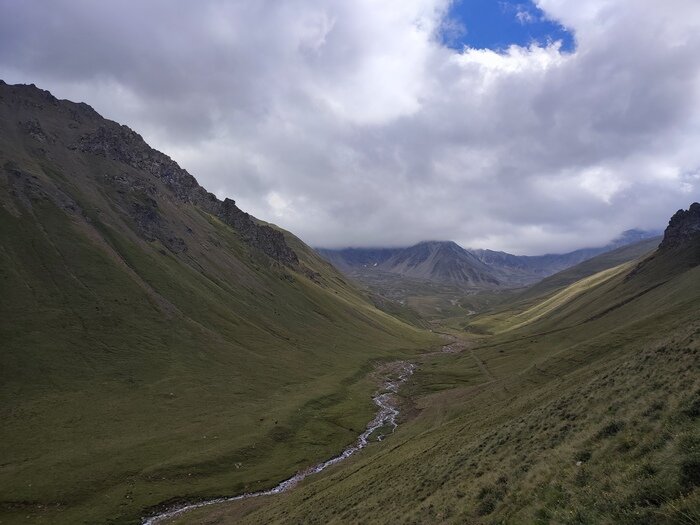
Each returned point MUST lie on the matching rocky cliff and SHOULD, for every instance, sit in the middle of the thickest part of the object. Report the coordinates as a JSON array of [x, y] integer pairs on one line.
[[682, 228]]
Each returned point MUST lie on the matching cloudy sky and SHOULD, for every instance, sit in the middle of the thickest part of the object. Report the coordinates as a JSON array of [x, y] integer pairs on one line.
[[524, 126]]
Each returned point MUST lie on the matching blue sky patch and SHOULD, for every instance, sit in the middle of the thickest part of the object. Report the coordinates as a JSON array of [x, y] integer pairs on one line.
[[498, 24]]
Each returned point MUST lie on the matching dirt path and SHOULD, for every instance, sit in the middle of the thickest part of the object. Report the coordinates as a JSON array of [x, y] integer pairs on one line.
[[394, 375]]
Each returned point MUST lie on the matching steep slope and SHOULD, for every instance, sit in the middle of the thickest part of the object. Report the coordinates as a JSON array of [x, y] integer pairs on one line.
[[441, 261], [524, 270], [438, 261], [157, 342], [588, 413], [590, 267]]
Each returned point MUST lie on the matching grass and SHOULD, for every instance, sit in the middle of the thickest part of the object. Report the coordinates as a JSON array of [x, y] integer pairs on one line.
[[512, 319], [590, 267], [588, 414]]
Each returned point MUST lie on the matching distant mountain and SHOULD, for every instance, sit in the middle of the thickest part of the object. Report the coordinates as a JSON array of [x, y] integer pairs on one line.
[[524, 269], [442, 261], [438, 261], [633, 236], [348, 258], [447, 262]]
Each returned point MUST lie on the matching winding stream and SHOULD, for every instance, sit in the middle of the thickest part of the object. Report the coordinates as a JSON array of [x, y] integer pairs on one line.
[[386, 417]]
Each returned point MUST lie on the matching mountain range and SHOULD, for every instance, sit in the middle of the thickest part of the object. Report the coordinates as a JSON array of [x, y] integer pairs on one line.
[[447, 262]]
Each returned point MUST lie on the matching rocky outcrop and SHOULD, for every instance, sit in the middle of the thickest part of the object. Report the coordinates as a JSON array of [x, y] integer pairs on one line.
[[265, 238], [139, 195], [122, 144], [33, 128], [683, 226], [150, 225]]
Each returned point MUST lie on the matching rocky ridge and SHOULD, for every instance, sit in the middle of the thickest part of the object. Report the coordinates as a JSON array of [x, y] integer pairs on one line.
[[683, 226], [81, 129]]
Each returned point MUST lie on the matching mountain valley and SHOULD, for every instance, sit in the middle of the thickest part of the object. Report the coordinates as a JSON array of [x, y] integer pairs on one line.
[[440, 279], [576, 404], [159, 343], [162, 348]]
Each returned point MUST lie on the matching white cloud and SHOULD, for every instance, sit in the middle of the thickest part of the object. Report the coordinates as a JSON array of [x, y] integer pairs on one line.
[[601, 182], [350, 123], [524, 16]]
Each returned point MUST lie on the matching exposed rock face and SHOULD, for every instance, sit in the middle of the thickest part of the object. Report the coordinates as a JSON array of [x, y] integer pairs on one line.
[[443, 261], [683, 226], [151, 226], [33, 129], [122, 144], [27, 189], [265, 238]]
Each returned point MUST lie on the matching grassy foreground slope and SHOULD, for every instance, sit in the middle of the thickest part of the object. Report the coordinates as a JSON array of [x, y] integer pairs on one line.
[[589, 413], [157, 343]]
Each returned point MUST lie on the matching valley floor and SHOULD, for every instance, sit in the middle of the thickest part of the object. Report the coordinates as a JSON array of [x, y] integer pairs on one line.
[[614, 441]]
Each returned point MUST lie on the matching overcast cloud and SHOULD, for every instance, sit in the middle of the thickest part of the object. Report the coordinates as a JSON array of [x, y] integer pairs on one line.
[[350, 123]]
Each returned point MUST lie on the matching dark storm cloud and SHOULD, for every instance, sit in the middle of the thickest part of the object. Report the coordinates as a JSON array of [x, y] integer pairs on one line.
[[351, 124]]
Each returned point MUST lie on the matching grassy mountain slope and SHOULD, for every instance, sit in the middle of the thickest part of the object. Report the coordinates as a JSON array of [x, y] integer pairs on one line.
[[156, 342], [546, 295], [588, 413], [522, 270], [591, 266]]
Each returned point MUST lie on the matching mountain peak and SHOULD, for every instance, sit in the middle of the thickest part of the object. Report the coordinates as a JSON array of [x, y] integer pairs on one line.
[[683, 226], [436, 244]]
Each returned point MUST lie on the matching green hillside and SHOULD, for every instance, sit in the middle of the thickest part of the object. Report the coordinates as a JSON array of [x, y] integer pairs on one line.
[[591, 266], [587, 413], [156, 342], [545, 296]]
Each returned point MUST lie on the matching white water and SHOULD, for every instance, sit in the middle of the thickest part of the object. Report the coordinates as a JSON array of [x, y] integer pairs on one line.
[[386, 416]]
